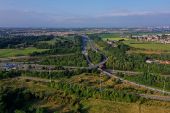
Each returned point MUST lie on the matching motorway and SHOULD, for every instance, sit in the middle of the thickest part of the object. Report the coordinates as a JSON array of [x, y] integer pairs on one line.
[[85, 53], [111, 73]]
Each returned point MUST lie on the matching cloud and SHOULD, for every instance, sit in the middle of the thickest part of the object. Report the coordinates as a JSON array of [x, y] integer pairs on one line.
[[124, 18], [116, 13]]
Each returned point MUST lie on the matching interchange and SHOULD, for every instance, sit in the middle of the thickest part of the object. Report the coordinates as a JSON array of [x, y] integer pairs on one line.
[[110, 73]]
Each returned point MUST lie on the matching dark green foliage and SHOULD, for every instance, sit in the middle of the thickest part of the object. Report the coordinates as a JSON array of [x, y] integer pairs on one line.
[[14, 42], [9, 74], [59, 73], [14, 99]]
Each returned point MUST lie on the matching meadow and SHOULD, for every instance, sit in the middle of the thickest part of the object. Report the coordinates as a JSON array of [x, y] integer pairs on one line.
[[115, 37], [147, 45]]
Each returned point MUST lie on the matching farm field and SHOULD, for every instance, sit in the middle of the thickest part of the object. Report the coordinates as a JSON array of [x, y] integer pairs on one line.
[[18, 52]]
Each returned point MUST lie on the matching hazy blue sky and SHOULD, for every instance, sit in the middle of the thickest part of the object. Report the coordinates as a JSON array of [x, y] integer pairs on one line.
[[84, 13]]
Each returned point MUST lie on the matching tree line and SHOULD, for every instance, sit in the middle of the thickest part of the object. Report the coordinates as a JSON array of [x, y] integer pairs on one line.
[[9, 74], [60, 47], [58, 74], [76, 60], [24, 41]]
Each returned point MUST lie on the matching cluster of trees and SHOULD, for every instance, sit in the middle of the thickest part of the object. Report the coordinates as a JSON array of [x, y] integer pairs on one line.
[[23, 41], [61, 46], [151, 80], [71, 60], [52, 74], [118, 59], [9, 74], [92, 92], [58, 74], [22, 100]]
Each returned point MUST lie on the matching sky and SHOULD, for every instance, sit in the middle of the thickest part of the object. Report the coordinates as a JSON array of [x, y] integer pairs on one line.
[[84, 13]]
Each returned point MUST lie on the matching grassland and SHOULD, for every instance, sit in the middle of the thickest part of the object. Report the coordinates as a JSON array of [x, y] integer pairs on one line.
[[91, 105], [50, 42], [18, 52], [104, 106]]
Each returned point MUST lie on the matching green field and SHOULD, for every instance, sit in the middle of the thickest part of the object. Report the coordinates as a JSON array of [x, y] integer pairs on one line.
[[115, 37], [148, 45], [51, 42], [147, 52], [18, 52]]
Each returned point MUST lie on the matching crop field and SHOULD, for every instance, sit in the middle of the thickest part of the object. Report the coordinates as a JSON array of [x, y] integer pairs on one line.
[[18, 52]]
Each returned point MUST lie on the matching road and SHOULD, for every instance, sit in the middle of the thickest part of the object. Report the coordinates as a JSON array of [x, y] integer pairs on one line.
[[85, 53], [156, 97], [123, 72]]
